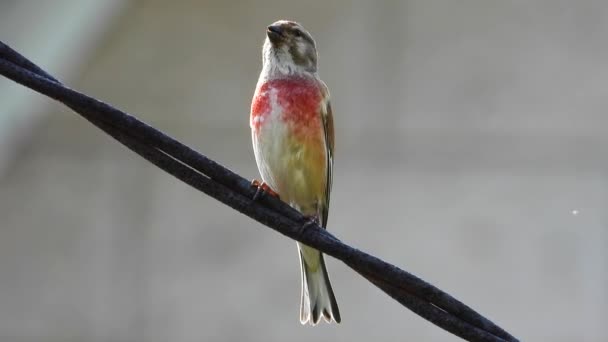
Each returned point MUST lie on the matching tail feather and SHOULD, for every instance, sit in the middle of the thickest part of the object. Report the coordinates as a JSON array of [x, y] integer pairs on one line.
[[317, 295]]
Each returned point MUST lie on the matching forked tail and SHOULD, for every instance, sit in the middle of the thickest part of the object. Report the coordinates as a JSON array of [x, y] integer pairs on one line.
[[317, 295]]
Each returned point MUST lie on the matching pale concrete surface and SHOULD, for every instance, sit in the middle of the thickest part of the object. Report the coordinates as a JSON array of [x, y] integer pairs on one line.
[[467, 134], [60, 34]]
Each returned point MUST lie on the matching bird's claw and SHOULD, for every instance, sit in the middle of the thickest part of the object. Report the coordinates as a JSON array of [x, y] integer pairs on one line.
[[310, 221], [262, 189]]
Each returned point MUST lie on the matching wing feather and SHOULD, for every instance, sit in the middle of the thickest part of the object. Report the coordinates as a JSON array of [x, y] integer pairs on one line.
[[328, 125]]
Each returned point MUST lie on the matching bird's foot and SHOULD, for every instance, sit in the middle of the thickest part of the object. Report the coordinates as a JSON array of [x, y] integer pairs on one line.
[[311, 221], [262, 189]]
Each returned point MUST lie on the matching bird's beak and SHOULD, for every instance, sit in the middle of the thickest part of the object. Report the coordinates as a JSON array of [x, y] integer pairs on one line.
[[275, 33]]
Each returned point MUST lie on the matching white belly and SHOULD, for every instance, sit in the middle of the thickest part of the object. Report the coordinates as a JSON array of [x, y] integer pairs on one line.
[[285, 165]]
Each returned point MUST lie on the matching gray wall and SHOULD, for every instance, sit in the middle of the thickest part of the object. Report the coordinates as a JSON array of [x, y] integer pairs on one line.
[[470, 151]]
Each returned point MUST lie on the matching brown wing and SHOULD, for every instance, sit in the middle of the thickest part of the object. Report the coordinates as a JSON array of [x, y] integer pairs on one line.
[[328, 124]]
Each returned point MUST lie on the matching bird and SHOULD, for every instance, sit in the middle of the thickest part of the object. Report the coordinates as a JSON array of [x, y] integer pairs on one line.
[[293, 141]]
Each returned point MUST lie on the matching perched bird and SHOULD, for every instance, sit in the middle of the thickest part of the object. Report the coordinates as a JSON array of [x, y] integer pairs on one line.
[[293, 141]]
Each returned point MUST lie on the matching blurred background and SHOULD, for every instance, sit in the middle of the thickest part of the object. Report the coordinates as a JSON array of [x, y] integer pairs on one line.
[[470, 151]]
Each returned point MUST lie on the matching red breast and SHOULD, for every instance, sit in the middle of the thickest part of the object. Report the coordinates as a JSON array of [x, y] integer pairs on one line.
[[298, 101]]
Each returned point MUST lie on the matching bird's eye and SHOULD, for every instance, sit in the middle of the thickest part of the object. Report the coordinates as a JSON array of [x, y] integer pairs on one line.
[[297, 33]]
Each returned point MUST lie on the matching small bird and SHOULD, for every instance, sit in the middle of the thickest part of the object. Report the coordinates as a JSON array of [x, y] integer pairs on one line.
[[293, 141]]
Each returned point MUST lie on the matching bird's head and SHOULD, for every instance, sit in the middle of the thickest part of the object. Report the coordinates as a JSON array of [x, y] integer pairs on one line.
[[289, 48]]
